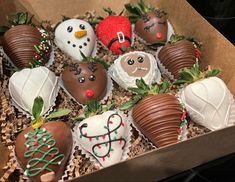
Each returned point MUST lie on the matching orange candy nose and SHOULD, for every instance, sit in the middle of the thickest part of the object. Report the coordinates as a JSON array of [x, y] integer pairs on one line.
[[80, 34], [159, 35]]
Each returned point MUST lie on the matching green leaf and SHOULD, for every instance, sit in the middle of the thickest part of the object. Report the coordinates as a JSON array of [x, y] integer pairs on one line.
[[3, 29], [163, 87], [93, 106], [155, 89], [104, 63], [109, 11], [59, 113], [134, 9], [185, 74], [83, 55], [212, 73], [175, 38], [22, 18], [179, 82], [64, 18], [37, 107], [137, 90], [140, 83], [129, 104], [133, 18]]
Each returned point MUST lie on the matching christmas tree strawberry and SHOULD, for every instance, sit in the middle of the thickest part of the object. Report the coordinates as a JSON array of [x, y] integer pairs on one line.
[[24, 44], [206, 98], [105, 134], [150, 23], [158, 115], [40, 150], [115, 32], [180, 52]]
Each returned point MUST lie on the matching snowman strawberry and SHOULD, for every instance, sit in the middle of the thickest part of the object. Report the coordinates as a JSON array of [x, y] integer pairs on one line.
[[39, 149], [207, 99], [104, 134], [75, 35], [115, 32], [27, 84]]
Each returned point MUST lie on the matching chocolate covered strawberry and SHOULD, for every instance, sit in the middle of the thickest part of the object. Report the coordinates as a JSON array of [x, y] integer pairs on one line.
[[104, 133], [115, 32], [40, 150], [150, 23], [26, 45], [180, 52], [207, 99], [157, 115]]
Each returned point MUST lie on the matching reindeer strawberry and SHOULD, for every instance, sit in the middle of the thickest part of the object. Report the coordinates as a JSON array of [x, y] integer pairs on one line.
[[158, 115], [207, 99], [26, 45], [39, 148], [180, 52], [115, 32], [104, 133], [150, 23]]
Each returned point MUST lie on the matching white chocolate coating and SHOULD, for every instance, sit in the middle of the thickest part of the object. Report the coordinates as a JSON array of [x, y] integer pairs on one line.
[[66, 40], [108, 137], [27, 84], [208, 103], [124, 79]]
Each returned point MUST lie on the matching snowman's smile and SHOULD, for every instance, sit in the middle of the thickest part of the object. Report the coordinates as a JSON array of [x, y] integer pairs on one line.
[[81, 43]]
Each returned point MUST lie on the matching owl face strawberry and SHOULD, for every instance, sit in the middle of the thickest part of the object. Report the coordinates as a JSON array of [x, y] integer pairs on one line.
[[73, 36]]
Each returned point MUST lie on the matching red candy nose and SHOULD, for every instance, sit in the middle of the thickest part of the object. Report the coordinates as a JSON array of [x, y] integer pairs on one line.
[[159, 35], [89, 93]]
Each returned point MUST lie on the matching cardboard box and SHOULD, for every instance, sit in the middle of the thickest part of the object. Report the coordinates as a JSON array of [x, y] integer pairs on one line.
[[218, 51]]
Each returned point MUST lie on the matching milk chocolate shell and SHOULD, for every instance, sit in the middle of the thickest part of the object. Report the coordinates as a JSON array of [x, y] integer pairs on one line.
[[85, 81], [135, 65], [152, 27], [25, 45], [158, 118], [177, 56], [73, 36], [44, 152]]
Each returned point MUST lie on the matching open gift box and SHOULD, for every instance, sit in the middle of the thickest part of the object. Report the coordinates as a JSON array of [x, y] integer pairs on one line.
[[218, 51]]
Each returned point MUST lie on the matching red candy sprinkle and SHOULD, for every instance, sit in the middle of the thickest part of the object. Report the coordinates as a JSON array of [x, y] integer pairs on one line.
[[89, 93], [159, 35], [36, 143]]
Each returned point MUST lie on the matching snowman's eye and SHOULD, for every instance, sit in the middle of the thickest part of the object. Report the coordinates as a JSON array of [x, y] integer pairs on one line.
[[130, 62], [81, 79], [140, 59], [82, 26], [92, 78], [70, 29]]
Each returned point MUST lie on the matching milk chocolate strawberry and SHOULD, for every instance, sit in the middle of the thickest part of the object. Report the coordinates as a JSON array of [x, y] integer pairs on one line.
[[40, 150], [115, 33], [85, 81], [157, 115], [207, 99], [104, 133], [180, 52], [150, 23], [26, 45]]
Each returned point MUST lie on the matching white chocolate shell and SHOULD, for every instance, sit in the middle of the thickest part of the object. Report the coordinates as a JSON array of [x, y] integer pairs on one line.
[[27, 84], [208, 103]]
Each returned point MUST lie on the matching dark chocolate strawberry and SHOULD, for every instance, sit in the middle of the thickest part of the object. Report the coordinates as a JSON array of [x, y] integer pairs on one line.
[[150, 23], [85, 81], [40, 150], [158, 115], [179, 53], [115, 33], [26, 45]]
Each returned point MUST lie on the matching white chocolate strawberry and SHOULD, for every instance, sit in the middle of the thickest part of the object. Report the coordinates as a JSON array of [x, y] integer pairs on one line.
[[208, 100], [105, 136], [27, 84]]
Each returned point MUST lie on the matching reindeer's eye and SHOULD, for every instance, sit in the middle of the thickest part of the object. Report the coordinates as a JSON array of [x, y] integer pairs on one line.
[[70, 29], [92, 78], [81, 79]]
